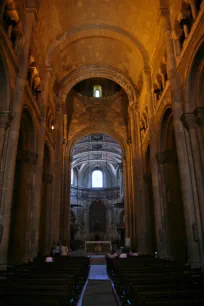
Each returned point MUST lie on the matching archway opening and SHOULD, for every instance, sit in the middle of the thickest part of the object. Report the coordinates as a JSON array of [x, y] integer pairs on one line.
[[97, 189]]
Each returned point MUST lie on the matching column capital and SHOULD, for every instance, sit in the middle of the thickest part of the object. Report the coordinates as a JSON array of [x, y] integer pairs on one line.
[[147, 71], [199, 115], [133, 108], [60, 102], [164, 18], [48, 70], [5, 119], [30, 7], [190, 1], [189, 121]]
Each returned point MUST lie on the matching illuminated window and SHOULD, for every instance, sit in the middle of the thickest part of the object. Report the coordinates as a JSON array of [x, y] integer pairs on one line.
[[97, 179], [72, 176], [97, 91]]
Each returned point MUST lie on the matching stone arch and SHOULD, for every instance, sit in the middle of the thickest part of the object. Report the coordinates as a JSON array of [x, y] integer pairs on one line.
[[173, 203], [194, 94], [105, 30], [4, 85], [97, 129], [22, 205], [46, 209], [92, 71]]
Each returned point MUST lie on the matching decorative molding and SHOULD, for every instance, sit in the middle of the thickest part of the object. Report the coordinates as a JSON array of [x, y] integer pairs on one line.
[[5, 119], [199, 116], [189, 121]]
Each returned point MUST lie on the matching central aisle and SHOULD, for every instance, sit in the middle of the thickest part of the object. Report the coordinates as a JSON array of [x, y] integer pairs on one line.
[[98, 289]]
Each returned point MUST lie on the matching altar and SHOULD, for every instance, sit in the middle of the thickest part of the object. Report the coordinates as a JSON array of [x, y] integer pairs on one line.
[[98, 246]]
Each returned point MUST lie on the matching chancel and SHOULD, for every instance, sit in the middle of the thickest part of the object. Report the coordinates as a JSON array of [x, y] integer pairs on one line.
[[101, 151]]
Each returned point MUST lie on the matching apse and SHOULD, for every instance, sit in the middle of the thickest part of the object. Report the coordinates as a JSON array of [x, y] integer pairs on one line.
[[97, 199]]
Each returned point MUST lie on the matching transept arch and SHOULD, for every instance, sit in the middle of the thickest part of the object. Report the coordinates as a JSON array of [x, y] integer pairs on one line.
[[97, 129], [101, 71]]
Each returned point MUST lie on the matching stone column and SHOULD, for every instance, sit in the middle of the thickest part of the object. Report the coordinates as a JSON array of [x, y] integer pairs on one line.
[[158, 208], [189, 121], [47, 180], [66, 210], [58, 167], [30, 158], [148, 220], [162, 160], [193, 8], [199, 114], [39, 167], [177, 43], [86, 223], [5, 121], [126, 198], [7, 192], [139, 210], [121, 183], [109, 223], [194, 249]]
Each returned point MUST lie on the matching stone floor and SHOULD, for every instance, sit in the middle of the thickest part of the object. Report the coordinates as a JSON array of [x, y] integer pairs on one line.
[[98, 288]]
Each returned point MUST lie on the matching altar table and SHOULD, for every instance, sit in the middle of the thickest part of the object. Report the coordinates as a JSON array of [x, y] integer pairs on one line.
[[98, 246]]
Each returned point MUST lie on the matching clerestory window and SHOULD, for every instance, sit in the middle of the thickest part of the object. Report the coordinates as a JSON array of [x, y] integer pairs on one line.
[[97, 91], [72, 176], [97, 179]]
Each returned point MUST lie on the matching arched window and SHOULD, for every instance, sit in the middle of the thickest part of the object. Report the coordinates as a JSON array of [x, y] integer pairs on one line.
[[97, 179], [97, 91], [72, 176]]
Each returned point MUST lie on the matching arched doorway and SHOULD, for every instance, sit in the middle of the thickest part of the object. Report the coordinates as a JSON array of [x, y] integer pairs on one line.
[[150, 218], [174, 213], [46, 209], [22, 205], [97, 220]]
